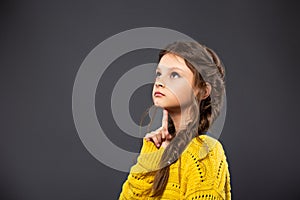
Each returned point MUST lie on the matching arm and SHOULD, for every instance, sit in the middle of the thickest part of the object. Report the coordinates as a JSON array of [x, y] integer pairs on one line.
[[139, 181]]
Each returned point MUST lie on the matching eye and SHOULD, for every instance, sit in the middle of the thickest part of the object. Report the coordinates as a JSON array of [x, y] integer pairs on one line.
[[175, 75], [158, 74]]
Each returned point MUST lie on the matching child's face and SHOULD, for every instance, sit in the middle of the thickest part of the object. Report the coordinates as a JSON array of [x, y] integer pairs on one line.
[[177, 81]]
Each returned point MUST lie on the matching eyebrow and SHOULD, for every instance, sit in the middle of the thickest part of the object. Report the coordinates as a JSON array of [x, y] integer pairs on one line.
[[172, 68]]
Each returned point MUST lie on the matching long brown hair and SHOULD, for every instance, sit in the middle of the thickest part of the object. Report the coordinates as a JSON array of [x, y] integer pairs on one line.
[[206, 67]]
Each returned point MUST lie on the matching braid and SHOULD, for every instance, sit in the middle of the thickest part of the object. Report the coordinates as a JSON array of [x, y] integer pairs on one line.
[[218, 84], [174, 150], [217, 61], [205, 114]]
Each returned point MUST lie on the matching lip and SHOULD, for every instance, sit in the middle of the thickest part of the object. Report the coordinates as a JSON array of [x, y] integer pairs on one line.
[[158, 94]]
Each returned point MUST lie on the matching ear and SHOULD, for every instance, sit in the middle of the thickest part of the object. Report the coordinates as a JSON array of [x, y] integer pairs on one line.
[[206, 92], [197, 92]]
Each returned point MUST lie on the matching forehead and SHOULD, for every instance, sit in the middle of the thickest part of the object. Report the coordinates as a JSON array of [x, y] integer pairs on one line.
[[173, 61]]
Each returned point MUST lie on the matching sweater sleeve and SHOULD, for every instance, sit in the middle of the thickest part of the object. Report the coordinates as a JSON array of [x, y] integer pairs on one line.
[[140, 179]]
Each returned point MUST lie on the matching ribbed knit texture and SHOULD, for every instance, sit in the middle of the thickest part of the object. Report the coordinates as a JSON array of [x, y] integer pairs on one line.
[[201, 172]]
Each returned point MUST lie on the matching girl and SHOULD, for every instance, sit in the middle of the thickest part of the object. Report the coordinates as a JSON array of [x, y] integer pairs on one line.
[[179, 160]]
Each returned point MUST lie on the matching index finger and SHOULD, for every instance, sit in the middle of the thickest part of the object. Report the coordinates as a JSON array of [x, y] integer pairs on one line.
[[165, 120]]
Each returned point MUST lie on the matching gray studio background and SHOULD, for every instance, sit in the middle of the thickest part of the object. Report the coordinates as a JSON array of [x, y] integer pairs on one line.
[[43, 44]]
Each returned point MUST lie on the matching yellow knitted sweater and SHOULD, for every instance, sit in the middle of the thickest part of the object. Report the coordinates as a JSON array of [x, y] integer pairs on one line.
[[201, 172]]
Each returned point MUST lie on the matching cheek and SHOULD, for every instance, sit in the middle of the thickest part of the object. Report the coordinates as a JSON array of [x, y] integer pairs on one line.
[[181, 89], [183, 94]]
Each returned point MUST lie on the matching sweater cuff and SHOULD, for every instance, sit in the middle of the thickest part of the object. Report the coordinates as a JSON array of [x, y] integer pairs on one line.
[[149, 158]]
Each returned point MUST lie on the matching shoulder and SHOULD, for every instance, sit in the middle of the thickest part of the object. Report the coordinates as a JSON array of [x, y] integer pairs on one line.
[[204, 145], [205, 168]]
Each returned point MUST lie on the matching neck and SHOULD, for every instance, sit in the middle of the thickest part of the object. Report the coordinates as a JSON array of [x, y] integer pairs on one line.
[[178, 118]]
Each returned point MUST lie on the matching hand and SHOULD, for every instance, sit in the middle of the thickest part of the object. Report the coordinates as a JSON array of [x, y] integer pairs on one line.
[[161, 136]]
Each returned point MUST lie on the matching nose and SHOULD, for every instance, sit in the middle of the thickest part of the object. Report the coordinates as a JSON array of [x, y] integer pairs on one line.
[[159, 84]]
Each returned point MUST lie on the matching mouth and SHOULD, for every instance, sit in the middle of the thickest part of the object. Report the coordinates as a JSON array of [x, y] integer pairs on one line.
[[158, 94]]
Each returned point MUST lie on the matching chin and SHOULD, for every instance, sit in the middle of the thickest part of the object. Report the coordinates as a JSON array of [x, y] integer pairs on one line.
[[162, 103], [163, 106], [158, 104]]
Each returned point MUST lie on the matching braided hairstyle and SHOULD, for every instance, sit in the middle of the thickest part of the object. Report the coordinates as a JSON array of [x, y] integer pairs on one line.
[[206, 67]]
